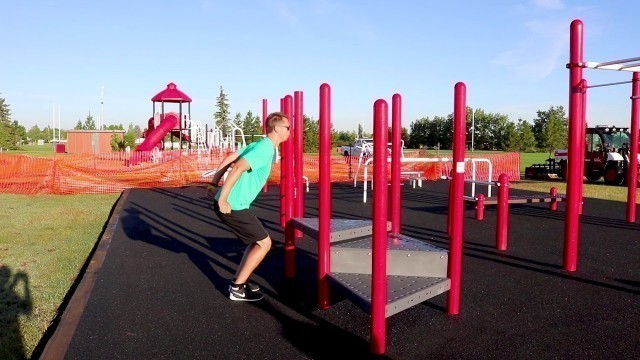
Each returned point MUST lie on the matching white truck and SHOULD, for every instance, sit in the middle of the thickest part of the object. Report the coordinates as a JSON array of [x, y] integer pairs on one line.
[[360, 146]]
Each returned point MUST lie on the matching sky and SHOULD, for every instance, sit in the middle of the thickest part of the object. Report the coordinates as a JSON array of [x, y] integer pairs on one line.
[[510, 54]]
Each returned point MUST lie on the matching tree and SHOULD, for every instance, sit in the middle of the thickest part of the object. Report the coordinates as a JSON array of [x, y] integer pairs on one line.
[[47, 134], [34, 134], [528, 141], [6, 127], [418, 133], [222, 115], [89, 123], [79, 125], [237, 121], [19, 134], [128, 139], [251, 126], [311, 139], [550, 139]]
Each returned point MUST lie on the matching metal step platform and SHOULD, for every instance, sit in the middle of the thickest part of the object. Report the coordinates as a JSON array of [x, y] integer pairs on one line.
[[341, 229], [403, 292], [406, 256]]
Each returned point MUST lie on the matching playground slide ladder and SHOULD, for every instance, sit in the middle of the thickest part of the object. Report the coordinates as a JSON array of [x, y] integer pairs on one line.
[[416, 271]]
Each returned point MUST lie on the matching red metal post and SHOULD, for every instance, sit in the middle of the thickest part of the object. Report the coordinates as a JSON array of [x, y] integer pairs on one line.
[[298, 126], [289, 241], [396, 151], [502, 228], [265, 188], [576, 141], [450, 206], [283, 171], [454, 269], [324, 219], [553, 206], [632, 173], [480, 207], [379, 247]]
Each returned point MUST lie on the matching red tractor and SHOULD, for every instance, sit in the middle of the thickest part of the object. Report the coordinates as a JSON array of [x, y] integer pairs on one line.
[[606, 155]]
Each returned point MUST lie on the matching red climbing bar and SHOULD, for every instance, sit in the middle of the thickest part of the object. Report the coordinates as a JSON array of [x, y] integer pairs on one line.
[[632, 181], [380, 212], [298, 159], [324, 218], [396, 151], [283, 171], [264, 131], [576, 141], [287, 161], [502, 233], [456, 195]]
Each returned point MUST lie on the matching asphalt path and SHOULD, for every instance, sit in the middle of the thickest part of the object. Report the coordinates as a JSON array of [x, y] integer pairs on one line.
[[156, 287]]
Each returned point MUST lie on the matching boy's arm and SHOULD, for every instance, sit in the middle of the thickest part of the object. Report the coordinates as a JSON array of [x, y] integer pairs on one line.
[[238, 168], [224, 165]]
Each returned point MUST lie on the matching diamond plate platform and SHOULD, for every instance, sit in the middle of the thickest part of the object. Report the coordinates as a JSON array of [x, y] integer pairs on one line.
[[341, 229], [403, 292], [406, 256]]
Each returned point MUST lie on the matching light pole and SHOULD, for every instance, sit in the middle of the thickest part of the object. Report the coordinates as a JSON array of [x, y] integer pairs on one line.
[[473, 128], [101, 108]]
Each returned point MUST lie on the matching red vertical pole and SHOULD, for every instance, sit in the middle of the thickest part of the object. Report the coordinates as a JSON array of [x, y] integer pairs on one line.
[[502, 228], [553, 206], [379, 247], [632, 173], [454, 269], [576, 140], [287, 160], [396, 151], [298, 151], [264, 131], [324, 218], [283, 171], [480, 207]]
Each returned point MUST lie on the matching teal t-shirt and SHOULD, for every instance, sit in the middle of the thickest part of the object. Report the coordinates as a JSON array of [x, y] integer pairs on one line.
[[259, 155]]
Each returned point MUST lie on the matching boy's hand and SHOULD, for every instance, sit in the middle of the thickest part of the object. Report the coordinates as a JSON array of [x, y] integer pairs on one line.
[[225, 208]]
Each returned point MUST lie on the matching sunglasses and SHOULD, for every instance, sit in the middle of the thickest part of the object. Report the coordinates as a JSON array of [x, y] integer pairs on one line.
[[287, 126]]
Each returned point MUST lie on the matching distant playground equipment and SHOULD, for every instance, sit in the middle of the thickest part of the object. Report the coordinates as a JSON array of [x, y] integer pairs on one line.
[[416, 177], [197, 136]]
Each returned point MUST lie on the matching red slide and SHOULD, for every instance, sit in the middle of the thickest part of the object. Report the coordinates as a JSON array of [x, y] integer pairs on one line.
[[155, 136]]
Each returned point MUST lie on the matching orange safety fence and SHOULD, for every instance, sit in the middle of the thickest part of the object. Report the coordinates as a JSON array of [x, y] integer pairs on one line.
[[114, 172]]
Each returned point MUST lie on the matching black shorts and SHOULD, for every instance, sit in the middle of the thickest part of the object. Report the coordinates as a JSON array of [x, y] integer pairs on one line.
[[243, 223]]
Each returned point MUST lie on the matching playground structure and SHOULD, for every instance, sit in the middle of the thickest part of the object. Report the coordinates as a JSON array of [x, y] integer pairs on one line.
[[577, 124], [417, 271]]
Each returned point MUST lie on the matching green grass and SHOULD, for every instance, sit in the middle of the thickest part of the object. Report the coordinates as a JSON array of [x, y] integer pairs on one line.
[[33, 150], [528, 159], [44, 241], [590, 190]]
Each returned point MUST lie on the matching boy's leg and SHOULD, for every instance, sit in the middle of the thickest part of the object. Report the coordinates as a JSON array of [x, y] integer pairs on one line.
[[253, 256]]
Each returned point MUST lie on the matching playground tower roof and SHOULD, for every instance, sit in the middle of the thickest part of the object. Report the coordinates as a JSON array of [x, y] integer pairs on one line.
[[171, 94]]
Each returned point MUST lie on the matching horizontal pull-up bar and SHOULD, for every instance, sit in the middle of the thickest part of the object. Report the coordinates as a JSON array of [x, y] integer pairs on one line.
[[612, 65], [619, 61], [608, 84]]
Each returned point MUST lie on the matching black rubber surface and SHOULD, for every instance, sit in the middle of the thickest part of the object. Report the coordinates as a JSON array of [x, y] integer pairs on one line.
[[162, 290]]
